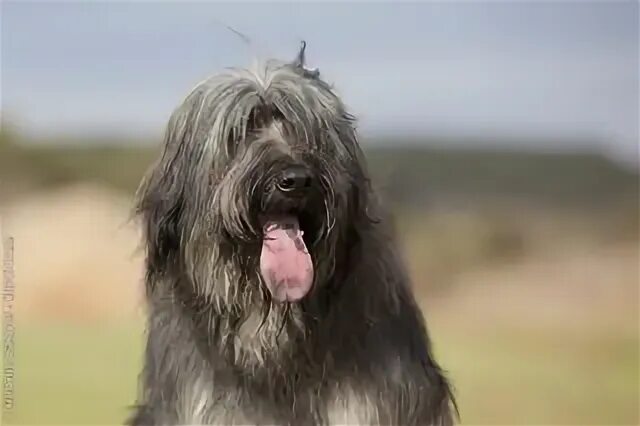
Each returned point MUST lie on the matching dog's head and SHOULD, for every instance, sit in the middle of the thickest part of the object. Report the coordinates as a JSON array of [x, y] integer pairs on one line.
[[261, 184]]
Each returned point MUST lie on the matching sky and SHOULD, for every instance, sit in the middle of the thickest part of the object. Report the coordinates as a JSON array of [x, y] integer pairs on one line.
[[514, 73]]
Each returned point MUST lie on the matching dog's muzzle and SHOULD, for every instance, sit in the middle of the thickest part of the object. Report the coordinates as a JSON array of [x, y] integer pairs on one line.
[[285, 263]]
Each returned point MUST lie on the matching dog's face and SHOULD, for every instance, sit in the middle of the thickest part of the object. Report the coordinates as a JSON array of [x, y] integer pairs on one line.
[[279, 193], [259, 188], [273, 173]]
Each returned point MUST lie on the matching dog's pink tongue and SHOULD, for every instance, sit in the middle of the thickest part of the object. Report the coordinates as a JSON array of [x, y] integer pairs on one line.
[[285, 263]]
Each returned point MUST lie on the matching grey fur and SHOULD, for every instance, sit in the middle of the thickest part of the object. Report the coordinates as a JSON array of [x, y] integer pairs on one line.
[[219, 350]]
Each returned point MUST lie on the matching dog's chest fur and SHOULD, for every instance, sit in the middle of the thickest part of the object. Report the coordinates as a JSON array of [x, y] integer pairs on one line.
[[212, 391], [344, 405]]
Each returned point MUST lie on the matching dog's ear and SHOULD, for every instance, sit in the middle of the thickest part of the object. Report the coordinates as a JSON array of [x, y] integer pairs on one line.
[[366, 206], [161, 195], [160, 223], [359, 198]]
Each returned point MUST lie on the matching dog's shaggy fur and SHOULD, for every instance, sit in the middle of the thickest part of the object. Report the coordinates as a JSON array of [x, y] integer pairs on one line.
[[220, 350]]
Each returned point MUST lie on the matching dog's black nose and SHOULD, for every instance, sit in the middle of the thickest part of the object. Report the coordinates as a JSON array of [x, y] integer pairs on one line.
[[294, 179]]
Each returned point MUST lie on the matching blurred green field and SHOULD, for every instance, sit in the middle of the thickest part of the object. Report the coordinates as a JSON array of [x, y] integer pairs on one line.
[[87, 375], [73, 374]]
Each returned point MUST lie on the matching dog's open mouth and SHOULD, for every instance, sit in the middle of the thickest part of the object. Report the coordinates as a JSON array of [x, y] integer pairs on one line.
[[285, 263]]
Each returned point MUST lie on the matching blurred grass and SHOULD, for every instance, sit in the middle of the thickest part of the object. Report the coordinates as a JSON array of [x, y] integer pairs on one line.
[[520, 377], [72, 374]]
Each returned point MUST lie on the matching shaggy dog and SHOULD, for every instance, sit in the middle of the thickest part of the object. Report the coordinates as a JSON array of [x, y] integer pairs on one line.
[[275, 292]]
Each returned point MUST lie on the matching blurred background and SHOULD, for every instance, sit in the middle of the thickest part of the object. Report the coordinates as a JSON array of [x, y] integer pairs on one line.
[[503, 135]]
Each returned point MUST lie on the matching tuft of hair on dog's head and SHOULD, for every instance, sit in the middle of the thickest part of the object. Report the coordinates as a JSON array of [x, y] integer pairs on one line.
[[225, 145], [300, 63]]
